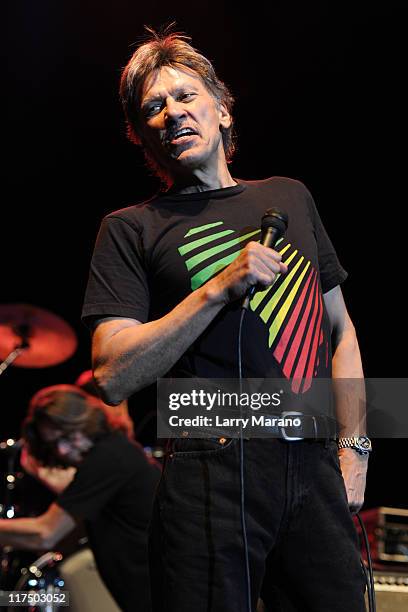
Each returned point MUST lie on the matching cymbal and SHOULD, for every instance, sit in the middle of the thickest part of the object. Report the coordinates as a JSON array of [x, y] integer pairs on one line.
[[50, 339]]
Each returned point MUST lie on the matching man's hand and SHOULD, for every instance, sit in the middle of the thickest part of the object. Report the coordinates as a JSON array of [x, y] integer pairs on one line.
[[255, 265], [354, 470]]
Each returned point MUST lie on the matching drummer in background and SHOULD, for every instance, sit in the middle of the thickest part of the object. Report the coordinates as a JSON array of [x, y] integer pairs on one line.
[[58, 478], [112, 488]]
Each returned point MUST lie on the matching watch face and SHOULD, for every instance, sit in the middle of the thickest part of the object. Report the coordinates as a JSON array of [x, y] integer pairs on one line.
[[364, 442]]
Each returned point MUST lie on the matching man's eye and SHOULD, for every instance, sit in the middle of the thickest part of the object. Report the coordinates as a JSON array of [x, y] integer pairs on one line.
[[186, 96], [153, 109]]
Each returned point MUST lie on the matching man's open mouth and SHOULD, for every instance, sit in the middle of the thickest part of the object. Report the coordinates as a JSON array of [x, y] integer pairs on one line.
[[181, 135]]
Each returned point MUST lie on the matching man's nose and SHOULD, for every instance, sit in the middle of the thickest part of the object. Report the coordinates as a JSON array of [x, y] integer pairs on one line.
[[174, 109]]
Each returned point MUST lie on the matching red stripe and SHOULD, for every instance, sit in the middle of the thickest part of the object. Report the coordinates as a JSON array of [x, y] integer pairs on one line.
[[294, 349], [301, 365], [285, 337], [309, 373]]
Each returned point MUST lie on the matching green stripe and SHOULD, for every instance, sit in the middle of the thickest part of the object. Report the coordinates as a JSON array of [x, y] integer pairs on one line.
[[200, 257], [183, 250], [283, 311], [201, 277], [201, 228]]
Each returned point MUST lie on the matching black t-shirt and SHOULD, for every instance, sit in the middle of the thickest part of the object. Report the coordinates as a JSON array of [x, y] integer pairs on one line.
[[113, 493], [150, 256]]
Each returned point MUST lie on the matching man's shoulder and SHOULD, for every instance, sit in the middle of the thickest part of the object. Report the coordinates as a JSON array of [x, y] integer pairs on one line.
[[281, 191], [132, 214], [117, 441], [284, 183]]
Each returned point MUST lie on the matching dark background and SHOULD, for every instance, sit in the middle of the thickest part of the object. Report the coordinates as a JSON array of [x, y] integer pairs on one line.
[[317, 85]]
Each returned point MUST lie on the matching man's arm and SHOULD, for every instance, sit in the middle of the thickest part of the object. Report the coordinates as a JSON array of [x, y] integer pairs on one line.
[[128, 355], [348, 383], [56, 479], [38, 533]]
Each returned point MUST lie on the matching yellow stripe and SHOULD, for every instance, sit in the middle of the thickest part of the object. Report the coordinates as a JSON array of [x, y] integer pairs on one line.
[[272, 303], [259, 295], [283, 311]]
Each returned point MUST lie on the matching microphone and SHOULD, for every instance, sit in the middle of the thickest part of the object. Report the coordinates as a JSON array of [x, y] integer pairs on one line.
[[274, 225]]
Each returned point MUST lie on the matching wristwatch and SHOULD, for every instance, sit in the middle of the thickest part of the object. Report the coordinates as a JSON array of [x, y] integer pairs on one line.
[[361, 444]]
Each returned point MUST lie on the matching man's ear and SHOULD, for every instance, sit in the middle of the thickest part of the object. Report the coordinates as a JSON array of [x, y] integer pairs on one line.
[[225, 117]]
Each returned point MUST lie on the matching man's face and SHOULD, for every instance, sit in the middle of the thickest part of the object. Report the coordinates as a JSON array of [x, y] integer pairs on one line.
[[181, 121], [70, 449]]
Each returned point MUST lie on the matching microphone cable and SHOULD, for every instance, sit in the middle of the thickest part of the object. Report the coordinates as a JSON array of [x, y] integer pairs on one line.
[[241, 470], [369, 578]]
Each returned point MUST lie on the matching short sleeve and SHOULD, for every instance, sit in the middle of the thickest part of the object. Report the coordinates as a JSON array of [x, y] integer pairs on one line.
[[331, 271], [99, 478], [117, 283]]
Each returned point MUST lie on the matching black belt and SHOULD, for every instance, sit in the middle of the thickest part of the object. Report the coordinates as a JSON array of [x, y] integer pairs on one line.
[[311, 427], [315, 427]]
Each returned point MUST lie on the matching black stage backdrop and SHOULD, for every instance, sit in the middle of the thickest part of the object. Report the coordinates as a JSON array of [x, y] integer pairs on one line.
[[318, 89]]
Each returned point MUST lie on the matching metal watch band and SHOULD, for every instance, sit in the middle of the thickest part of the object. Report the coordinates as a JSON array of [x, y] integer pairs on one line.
[[361, 444]]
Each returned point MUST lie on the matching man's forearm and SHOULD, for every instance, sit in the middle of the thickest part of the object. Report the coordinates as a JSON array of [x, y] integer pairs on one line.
[[136, 356], [349, 388], [38, 532], [26, 533]]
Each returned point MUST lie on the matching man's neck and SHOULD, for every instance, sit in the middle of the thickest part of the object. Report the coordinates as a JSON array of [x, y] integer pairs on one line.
[[202, 182]]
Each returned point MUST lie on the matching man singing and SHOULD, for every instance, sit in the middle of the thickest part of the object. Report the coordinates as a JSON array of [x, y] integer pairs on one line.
[[164, 297]]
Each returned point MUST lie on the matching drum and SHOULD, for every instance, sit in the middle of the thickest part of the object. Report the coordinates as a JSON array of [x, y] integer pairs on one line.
[[87, 591], [41, 579], [52, 573]]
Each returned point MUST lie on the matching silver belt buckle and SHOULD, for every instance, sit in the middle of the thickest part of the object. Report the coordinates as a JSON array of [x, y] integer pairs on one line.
[[282, 427]]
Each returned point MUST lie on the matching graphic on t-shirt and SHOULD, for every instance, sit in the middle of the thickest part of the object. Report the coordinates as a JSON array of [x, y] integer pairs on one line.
[[291, 308], [208, 270]]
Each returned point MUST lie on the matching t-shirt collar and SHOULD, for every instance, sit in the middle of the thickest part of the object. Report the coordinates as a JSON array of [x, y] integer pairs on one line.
[[209, 194]]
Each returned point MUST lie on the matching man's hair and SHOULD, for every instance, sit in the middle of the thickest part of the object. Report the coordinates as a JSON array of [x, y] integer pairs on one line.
[[68, 409], [169, 49]]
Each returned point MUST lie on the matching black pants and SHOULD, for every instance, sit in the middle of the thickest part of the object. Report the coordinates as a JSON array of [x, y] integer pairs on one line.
[[303, 546]]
